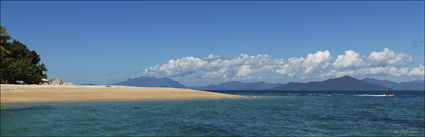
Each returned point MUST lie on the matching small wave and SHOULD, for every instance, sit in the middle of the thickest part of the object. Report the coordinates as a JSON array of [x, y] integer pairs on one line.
[[382, 95], [324, 95]]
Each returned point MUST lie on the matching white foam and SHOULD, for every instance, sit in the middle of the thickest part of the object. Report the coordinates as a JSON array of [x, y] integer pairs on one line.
[[383, 95]]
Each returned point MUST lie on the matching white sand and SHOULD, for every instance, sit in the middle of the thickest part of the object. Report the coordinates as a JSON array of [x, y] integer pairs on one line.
[[59, 93]]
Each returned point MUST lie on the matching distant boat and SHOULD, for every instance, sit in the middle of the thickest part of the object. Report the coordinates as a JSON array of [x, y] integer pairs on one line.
[[389, 93]]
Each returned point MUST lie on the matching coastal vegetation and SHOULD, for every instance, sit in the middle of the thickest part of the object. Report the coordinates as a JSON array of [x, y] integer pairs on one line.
[[19, 65]]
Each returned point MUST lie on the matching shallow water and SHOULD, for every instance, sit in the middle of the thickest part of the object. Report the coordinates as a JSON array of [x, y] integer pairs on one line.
[[290, 113]]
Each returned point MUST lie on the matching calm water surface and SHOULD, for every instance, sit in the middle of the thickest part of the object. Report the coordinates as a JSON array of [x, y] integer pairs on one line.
[[290, 113]]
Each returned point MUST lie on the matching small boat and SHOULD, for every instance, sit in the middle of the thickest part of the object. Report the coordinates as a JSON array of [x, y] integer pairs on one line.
[[389, 93]]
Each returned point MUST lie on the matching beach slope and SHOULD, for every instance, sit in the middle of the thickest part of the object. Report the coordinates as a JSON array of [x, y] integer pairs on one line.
[[58, 93]]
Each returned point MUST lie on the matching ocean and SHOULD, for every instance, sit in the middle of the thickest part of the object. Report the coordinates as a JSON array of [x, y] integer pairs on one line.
[[263, 113]]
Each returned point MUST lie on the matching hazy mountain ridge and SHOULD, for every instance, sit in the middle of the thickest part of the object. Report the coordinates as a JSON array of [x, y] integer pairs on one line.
[[151, 82], [237, 85], [408, 85], [342, 83]]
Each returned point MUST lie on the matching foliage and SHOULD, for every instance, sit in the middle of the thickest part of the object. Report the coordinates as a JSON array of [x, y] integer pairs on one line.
[[18, 63]]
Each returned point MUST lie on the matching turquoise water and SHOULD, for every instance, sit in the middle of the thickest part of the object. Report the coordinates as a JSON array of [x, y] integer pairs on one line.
[[265, 113]]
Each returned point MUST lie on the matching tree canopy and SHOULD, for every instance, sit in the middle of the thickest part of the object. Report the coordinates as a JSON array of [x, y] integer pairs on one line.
[[18, 63]]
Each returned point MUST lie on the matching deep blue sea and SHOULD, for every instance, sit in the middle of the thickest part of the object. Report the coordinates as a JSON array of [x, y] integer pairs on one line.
[[264, 113]]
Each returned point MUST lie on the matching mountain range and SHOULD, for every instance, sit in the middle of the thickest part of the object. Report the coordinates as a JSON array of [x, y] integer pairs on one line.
[[151, 82], [341, 83], [236, 85], [410, 85]]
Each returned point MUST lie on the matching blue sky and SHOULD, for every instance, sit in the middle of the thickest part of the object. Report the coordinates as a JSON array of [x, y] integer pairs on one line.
[[103, 42]]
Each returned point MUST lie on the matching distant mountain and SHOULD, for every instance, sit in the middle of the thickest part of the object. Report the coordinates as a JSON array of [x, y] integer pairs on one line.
[[342, 83], [413, 85], [382, 83], [151, 82], [410, 85], [236, 85]]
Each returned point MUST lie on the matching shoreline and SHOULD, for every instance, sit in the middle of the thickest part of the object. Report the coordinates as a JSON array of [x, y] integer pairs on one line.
[[86, 93]]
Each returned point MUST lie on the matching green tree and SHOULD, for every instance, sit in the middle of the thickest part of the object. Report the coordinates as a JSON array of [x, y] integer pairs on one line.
[[18, 63]]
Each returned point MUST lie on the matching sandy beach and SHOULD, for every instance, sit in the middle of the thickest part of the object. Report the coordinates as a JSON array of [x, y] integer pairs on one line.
[[59, 93]]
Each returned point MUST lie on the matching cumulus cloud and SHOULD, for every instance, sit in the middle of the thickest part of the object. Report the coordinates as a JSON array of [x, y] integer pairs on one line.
[[388, 58], [244, 71], [291, 68], [418, 71], [320, 59], [318, 65], [215, 67], [349, 59]]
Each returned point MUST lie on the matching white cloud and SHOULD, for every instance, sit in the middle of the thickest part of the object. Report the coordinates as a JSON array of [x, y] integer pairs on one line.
[[349, 59], [291, 68], [178, 67], [214, 67], [244, 70], [418, 71], [318, 60], [318, 65], [389, 70], [388, 58]]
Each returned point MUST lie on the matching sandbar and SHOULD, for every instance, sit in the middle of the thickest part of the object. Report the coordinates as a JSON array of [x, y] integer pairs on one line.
[[60, 93]]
